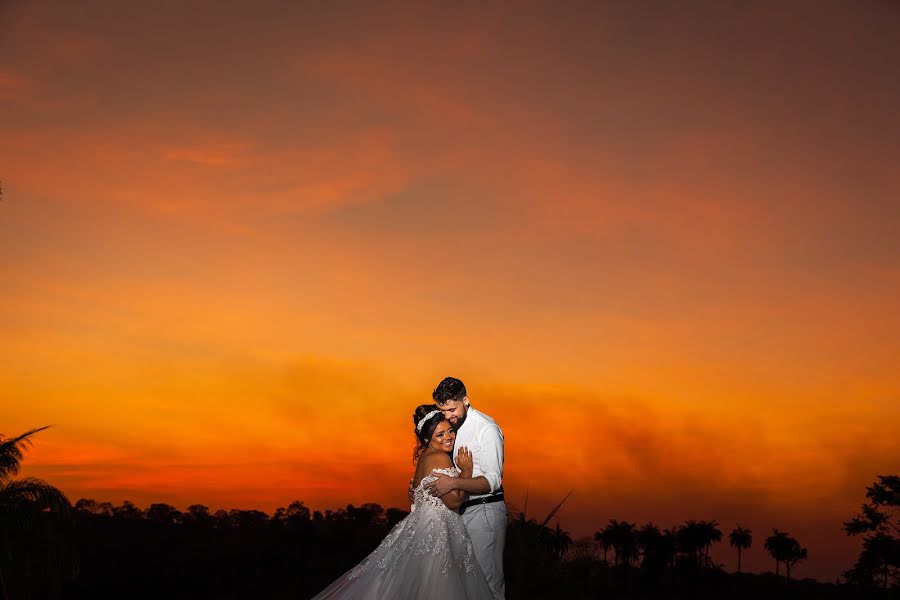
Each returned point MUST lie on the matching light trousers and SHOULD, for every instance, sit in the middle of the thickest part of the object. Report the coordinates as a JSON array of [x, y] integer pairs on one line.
[[486, 524]]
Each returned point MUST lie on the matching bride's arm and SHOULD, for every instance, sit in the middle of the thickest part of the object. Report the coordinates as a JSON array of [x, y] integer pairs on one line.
[[452, 500]]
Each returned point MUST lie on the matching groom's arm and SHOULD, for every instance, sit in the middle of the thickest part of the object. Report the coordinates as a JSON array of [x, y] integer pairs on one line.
[[471, 485], [490, 461]]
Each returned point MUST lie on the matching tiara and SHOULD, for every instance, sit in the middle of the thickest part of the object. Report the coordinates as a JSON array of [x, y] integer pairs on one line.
[[425, 418]]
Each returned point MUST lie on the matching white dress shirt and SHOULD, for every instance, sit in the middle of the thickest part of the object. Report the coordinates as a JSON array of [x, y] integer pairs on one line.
[[481, 435]]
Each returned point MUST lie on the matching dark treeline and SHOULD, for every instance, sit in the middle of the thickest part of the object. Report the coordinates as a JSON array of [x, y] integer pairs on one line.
[[164, 553], [125, 551], [51, 549]]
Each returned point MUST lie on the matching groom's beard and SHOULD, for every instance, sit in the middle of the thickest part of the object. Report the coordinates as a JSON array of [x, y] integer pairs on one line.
[[459, 423]]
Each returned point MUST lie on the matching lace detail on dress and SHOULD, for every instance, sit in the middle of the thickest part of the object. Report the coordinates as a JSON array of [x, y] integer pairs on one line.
[[421, 495], [432, 530], [428, 554]]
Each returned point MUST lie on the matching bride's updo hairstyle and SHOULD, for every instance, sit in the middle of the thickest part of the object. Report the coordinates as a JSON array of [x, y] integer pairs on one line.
[[423, 435]]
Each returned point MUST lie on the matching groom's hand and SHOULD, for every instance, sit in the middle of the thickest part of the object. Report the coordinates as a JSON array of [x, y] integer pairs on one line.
[[441, 486]]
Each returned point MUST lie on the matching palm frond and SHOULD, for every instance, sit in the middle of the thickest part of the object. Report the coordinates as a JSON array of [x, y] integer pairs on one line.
[[32, 493], [558, 506], [11, 452]]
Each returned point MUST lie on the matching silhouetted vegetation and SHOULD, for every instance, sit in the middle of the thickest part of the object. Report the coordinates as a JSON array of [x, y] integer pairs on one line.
[[785, 550], [740, 539], [878, 522], [126, 551], [295, 552], [36, 554]]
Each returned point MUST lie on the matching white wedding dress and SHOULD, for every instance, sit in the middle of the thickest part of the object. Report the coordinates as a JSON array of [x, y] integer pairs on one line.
[[426, 555]]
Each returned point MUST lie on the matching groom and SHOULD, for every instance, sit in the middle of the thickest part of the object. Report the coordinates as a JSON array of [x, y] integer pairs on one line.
[[484, 513]]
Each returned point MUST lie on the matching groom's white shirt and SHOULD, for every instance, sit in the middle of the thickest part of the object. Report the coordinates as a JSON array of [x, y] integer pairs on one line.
[[483, 437]]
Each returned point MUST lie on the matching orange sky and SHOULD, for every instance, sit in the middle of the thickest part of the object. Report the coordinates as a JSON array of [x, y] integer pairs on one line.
[[239, 244]]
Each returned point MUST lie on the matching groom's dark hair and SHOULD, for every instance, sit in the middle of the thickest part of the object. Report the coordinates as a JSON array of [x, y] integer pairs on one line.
[[450, 388]]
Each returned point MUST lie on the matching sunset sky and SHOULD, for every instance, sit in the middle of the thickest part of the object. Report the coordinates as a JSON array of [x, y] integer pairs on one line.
[[241, 241]]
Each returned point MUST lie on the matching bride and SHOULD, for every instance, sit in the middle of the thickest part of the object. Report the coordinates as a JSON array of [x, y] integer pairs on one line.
[[429, 553]]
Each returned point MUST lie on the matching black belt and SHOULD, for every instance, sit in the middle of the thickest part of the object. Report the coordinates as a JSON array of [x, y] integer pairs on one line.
[[477, 501]]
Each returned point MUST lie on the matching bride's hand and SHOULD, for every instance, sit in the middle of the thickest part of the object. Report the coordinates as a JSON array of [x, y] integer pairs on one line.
[[464, 459]]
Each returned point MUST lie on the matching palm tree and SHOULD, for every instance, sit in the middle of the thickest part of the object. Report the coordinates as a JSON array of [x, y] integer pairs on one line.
[[794, 553], [563, 540], [555, 542], [710, 534], [668, 547], [622, 536], [741, 539], [657, 547], [648, 537], [774, 545], [31, 511], [533, 549], [690, 540], [602, 538], [785, 549]]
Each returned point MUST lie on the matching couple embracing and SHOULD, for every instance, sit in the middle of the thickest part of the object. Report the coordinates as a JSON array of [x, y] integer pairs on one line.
[[451, 544]]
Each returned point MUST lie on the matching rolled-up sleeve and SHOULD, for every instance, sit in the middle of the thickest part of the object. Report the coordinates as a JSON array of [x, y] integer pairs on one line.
[[491, 456]]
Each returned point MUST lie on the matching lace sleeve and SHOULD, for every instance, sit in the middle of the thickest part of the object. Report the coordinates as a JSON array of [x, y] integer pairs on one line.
[[450, 471], [423, 496]]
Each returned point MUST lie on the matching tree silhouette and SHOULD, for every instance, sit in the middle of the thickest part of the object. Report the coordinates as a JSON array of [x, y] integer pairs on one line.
[[774, 545], [691, 540], [740, 539], [297, 512], [247, 519], [197, 514], [221, 518], [164, 513], [555, 542], [622, 537], [710, 534], [648, 537], [603, 540], [563, 540], [879, 522], [35, 555], [793, 554], [87, 505], [784, 549], [657, 547], [534, 551]]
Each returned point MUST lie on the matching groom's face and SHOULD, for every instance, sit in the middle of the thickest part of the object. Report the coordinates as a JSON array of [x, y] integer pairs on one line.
[[455, 411]]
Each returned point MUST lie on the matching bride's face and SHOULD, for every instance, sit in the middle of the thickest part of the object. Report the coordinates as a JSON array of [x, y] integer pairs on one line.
[[443, 437]]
